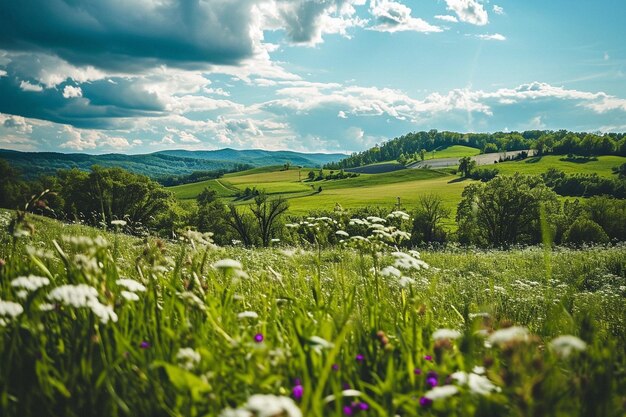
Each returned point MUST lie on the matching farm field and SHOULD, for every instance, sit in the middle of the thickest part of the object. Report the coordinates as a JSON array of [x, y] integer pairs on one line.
[[199, 330], [378, 189]]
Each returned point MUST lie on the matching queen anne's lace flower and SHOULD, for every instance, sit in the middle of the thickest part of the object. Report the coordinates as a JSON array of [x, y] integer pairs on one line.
[[131, 285], [10, 309], [566, 344], [30, 283], [83, 296], [188, 358], [438, 393]]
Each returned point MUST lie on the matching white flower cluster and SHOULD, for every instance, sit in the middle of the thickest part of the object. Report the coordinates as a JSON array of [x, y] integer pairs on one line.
[[80, 242], [232, 266], [442, 334], [565, 345], [507, 335], [30, 283], [260, 405], [83, 296], [439, 393], [131, 285], [477, 383], [188, 358], [398, 215], [10, 309], [247, 315], [408, 261]]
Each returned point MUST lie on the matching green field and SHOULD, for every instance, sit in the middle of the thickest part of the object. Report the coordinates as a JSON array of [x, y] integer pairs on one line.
[[378, 189], [537, 165], [455, 151], [316, 333]]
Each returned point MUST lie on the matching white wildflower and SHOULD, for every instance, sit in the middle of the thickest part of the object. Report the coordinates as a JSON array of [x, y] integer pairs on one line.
[[320, 343], [131, 285], [248, 315], [479, 384], [232, 412], [30, 283], [510, 334], [120, 223], [405, 281], [23, 294], [479, 370], [226, 264], [10, 309], [438, 393], [399, 215], [46, 307], [188, 358], [375, 219], [440, 334], [192, 300], [83, 296], [390, 271], [566, 344], [103, 312], [129, 296], [342, 233], [272, 405]]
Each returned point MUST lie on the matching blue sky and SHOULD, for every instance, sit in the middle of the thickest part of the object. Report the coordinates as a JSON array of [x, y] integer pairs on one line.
[[308, 75]]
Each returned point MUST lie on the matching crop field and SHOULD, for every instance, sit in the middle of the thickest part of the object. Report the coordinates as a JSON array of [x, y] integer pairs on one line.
[[103, 324], [536, 165]]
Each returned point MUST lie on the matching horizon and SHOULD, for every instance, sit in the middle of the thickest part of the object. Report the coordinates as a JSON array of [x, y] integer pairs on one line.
[[334, 76]]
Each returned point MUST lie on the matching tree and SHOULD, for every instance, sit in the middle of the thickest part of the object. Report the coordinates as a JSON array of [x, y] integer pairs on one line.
[[212, 216], [267, 214], [12, 189], [422, 154], [311, 175], [506, 211], [242, 223], [466, 165], [428, 218], [585, 231]]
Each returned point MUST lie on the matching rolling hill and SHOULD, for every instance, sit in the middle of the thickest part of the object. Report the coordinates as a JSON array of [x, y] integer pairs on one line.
[[163, 163]]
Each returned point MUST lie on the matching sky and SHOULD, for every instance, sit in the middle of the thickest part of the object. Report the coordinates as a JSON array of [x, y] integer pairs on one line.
[[138, 76]]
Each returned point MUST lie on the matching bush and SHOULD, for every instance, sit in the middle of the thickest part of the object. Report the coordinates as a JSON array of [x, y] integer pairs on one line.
[[585, 231]]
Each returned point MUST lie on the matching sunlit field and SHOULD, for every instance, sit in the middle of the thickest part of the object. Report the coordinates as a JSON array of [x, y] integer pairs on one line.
[[99, 323]]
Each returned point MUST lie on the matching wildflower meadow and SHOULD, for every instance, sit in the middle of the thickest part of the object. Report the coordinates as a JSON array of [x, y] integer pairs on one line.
[[97, 323]]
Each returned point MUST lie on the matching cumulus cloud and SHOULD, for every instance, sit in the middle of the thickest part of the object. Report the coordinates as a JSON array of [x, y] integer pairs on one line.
[[72, 92], [492, 37], [16, 123], [447, 18], [497, 9], [392, 16], [469, 11], [86, 139], [27, 86]]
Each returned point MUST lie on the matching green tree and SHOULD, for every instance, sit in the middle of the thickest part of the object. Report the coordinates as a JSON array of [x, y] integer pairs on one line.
[[585, 231], [428, 218], [505, 211], [212, 217], [267, 214], [466, 165]]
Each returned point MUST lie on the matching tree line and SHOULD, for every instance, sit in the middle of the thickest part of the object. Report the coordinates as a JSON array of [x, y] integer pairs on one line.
[[413, 146]]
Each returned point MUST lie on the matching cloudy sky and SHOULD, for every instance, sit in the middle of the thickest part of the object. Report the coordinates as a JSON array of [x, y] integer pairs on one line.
[[137, 76]]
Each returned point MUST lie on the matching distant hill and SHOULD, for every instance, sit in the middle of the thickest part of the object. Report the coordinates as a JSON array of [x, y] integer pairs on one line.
[[161, 164]]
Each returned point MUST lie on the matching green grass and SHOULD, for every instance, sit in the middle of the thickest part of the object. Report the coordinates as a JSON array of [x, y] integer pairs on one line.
[[328, 318], [191, 191], [455, 151], [537, 165]]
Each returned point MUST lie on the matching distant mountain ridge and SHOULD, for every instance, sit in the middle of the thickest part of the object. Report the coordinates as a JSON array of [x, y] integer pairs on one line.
[[162, 163]]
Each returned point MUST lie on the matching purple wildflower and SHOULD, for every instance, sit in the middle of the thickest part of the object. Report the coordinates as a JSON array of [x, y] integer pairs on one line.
[[425, 402], [258, 337], [345, 386], [428, 357], [364, 406], [360, 357], [297, 391], [347, 410], [335, 367], [417, 371], [432, 382], [144, 345]]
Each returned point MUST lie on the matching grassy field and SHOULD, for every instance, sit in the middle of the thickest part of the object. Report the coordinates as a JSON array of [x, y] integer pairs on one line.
[[455, 151], [537, 165], [104, 324]]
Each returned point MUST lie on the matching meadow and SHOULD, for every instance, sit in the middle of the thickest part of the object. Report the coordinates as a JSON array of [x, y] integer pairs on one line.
[[381, 189], [104, 324]]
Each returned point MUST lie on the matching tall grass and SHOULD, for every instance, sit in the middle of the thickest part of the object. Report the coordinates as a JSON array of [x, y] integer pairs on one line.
[[336, 331]]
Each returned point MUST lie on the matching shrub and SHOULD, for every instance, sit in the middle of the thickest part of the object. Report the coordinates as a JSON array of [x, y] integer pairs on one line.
[[585, 231]]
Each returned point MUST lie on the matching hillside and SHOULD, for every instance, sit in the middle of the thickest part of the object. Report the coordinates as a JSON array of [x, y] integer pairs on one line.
[[160, 164]]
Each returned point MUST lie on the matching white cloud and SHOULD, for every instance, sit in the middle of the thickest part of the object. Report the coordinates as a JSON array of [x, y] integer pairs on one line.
[[447, 18], [492, 37], [88, 139], [3, 73], [392, 16], [606, 56], [72, 92], [18, 123], [469, 11], [342, 114], [497, 9], [27, 86]]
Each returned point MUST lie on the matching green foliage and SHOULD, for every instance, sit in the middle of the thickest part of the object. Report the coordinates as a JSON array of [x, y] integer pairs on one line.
[[585, 231], [428, 220], [188, 345], [505, 211], [466, 165]]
